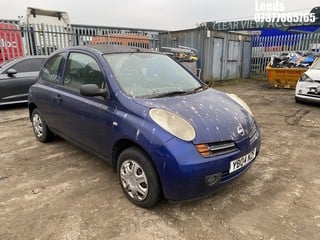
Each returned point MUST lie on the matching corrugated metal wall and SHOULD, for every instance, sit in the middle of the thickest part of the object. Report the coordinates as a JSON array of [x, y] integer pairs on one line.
[[222, 55]]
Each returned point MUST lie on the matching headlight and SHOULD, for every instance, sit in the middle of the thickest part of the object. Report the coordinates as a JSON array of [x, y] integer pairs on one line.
[[305, 78], [241, 102], [173, 123]]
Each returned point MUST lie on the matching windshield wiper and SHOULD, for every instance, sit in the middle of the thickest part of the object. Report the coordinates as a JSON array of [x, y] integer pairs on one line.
[[178, 92], [202, 87], [169, 94]]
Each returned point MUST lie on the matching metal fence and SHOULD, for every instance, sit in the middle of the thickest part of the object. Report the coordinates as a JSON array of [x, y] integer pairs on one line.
[[18, 39], [263, 48], [41, 39]]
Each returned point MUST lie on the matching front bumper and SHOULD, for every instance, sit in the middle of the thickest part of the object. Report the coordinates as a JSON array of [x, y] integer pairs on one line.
[[308, 91], [185, 174]]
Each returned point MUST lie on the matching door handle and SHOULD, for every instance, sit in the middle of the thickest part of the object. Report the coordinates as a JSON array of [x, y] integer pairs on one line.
[[58, 98]]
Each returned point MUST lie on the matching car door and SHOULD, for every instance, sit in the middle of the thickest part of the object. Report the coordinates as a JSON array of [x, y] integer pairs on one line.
[[46, 87], [14, 87], [86, 121]]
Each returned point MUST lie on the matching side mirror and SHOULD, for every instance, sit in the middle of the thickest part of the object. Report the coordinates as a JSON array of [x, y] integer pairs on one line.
[[92, 90], [10, 72]]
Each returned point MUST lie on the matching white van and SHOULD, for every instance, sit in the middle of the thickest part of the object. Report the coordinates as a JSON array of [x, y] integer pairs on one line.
[[48, 30]]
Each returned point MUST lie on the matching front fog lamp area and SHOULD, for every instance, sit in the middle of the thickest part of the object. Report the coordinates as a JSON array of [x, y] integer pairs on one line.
[[173, 123], [213, 179]]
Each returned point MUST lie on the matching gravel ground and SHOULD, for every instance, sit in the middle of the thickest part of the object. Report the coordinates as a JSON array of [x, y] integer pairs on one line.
[[58, 191]]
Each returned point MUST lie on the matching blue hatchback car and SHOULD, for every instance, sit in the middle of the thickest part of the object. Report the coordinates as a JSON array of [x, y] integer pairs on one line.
[[166, 133]]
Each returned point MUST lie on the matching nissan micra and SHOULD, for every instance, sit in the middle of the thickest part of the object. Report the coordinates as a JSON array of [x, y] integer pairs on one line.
[[165, 132]]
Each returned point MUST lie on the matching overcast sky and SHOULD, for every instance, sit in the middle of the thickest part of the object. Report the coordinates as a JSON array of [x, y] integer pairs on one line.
[[151, 14]]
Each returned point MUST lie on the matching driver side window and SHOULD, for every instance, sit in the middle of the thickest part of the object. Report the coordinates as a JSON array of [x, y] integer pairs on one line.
[[82, 69]]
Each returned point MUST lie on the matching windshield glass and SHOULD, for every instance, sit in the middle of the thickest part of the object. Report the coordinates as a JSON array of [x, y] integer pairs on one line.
[[150, 75], [316, 65]]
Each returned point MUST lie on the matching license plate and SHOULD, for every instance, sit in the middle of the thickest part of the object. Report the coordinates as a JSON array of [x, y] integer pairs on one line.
[[313, 90], [243, 161]]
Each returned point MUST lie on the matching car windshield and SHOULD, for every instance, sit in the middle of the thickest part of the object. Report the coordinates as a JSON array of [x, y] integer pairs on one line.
[[150, 75], [316, 65]]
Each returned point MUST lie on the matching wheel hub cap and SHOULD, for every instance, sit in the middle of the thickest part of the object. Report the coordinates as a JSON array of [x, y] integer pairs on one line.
[[134, 180], [37, 125]]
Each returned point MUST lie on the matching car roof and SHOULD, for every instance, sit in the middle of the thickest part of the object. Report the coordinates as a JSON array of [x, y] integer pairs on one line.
[[18, 59], [28, 57], [106, 49]]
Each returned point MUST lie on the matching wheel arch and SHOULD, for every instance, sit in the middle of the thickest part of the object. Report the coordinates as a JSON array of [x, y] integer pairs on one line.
[[123, 144], [31, 107]]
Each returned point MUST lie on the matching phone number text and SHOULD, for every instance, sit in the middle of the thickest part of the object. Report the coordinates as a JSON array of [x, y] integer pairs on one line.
[[285, 17]]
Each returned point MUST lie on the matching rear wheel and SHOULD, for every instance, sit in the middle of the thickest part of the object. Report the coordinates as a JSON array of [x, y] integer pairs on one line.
[[138, 178], [40, 128]]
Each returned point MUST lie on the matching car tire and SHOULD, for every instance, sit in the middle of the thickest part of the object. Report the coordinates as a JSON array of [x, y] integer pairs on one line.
[[40, 128], [297, 100], [138, 178]]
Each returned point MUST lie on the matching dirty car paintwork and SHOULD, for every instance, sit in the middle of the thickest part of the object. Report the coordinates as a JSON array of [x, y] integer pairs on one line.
[[100, 125], [212, 113]]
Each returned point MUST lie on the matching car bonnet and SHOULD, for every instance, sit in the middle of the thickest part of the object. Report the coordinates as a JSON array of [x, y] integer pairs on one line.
[[214, 116], [314, 74]]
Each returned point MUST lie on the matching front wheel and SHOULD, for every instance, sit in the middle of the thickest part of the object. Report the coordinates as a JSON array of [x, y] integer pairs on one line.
[[40, 128], [138, 178]]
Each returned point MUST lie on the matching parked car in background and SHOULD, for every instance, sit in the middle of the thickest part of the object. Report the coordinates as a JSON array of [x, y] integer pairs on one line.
[[308, 86], [16, 76], [166, 133]]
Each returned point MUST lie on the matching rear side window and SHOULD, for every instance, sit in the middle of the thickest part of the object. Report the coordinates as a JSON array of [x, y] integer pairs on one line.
[[29, 65], [35, 65], [50, 71]]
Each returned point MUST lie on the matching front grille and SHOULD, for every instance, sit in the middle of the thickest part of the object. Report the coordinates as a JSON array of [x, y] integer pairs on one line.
[[219, 148]]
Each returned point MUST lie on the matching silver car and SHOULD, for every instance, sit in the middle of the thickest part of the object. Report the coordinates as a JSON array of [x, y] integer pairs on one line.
[[308, 86]]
